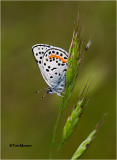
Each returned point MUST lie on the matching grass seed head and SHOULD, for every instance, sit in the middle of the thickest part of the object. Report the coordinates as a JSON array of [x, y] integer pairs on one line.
[[75, 57], [85, 144], [72, 121]]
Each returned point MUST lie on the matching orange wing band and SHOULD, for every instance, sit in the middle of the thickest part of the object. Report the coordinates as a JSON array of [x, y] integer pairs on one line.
[[55, 56]]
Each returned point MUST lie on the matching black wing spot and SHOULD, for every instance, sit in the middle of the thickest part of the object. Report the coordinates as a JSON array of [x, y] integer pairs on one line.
[[50, 60], [57, 53], [63, 64], [55, 72], [49, 52], [46, 55], [46, 59], [65, 57], [56, 61], [53, 52], [53, 59], [40, 62], [53, 69], [58, 64], [42, 48], [42, 52], [40, 57], [44, 64], [36, 54], [61, 54], [47, 70], [59, 74], [51, 77], [38, 48], [64, 70], [48, 66]]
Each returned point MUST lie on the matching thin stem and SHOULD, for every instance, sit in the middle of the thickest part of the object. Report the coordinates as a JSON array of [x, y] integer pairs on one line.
[[60, 146], [54, 133]]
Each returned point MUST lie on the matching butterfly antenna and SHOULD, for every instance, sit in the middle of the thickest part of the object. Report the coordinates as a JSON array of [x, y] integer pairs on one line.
[[43, 95], [41, 90]]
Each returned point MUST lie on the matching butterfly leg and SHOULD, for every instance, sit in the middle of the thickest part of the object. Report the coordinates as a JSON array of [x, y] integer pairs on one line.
[[40, 90]]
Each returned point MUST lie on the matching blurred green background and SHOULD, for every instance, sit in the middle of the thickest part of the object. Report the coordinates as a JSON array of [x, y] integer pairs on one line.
[[25, 117]]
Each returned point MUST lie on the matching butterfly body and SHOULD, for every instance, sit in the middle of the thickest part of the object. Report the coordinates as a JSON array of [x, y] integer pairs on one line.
[[52, 62]]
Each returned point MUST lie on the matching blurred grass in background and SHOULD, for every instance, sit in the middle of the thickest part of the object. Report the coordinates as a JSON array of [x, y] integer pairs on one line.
[[25, 117]]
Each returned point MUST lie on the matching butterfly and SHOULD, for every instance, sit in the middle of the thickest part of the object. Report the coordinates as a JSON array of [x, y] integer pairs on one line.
[[52, 62]]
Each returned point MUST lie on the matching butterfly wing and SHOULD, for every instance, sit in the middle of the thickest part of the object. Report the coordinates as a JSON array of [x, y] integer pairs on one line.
[[54, 65], [38, 53]]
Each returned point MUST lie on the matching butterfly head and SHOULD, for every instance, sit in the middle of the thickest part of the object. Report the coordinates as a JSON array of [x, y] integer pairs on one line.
[[49, 91]]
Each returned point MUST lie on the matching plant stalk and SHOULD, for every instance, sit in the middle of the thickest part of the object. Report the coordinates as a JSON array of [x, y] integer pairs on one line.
[[54, 132]]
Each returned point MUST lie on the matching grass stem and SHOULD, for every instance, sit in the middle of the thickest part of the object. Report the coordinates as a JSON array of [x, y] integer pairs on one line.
[[54, 133]]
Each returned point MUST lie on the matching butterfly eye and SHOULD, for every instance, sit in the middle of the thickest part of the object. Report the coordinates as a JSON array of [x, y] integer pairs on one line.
[[49, 91]]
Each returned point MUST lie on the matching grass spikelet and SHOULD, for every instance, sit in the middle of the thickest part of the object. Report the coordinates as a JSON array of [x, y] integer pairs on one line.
[[75, 57], [75, 115], [84, 145], [72, 120], [73, 64]]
